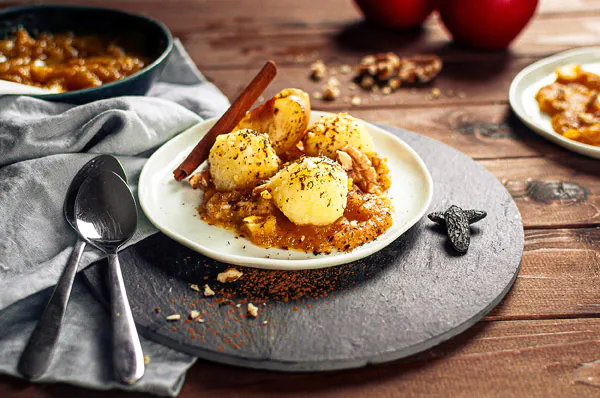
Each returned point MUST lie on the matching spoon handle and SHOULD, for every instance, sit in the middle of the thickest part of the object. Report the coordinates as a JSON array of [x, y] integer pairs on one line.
[[128, 357], [38, 353]]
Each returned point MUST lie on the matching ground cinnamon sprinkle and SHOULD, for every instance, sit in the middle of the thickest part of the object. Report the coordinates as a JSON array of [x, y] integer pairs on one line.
[[260, 286], [225, 317]]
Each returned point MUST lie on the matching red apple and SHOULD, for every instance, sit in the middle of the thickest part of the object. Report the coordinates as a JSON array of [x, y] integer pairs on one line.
[[486, 24], [396, 14]]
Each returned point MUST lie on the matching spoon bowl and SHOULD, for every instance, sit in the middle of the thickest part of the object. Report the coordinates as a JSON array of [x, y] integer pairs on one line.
[[102, 162], [106, 217], [105, 211]]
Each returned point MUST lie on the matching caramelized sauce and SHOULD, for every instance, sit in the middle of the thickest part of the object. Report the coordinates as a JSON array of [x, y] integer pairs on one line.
[[64, 62], [257, 218], [572, 103], [366, 217]]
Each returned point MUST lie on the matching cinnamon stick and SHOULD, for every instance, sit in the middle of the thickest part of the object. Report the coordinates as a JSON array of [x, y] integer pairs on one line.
[[228, 121]]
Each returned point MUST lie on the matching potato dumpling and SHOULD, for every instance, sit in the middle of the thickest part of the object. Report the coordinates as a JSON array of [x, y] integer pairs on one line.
[[241, 159], [311, 191], [331, 133]]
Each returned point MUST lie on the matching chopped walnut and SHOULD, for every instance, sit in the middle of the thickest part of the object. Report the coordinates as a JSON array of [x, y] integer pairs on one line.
[[229, 275], [331, 92], [194, 287], [208, 291], [394, 83], [173, 317], [435, 93], [355, 100], [200, 180], [420, 68], [367, 82], [390, 71], [252, 310], [359, 168], [345, 160], [318, 70], [367, 60], [333, 81], [259, 189], [194, 314]]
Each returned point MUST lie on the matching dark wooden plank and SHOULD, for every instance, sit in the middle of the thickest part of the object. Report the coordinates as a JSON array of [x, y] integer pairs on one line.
[[482, 132], [243, 36], [203, 15], [349, 42], [552, 192], [538, 358], [558, 277]]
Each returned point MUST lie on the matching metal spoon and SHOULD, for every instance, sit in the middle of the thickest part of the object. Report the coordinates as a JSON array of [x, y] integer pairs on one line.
[[106, 216], [38, 353]]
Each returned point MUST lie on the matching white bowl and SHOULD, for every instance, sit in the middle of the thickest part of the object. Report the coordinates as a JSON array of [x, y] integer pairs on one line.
[[172, 206], [541, 73]]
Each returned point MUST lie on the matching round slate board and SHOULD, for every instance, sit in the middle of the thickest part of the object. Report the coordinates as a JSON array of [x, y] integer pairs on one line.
[[409, 297]]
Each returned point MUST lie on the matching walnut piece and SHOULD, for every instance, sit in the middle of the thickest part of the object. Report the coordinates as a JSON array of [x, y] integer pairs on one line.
[[259, 189], [200, 180], [345, 160], [229, 275], [318, 70], [173, 317], [194, 287], [420, 68], [331, 92], [252, 310], [359, 168], [390, 71]]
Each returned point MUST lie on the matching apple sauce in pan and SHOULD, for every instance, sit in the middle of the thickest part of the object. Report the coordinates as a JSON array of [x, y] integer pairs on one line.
[[64, 62]]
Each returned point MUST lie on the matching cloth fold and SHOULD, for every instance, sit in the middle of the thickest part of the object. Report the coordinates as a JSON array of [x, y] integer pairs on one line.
[[42, 146]]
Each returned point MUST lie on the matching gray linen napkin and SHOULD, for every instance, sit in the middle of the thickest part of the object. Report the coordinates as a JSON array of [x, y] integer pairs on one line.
[[42, 146]]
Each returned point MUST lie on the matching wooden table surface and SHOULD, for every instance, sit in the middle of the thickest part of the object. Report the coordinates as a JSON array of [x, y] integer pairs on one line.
[[535, 342]]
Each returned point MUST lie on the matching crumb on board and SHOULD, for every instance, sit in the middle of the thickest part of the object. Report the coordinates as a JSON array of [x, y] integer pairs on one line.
[[208, 291], [252, 310], [194, 314], [194, 287], [173, 317], [229, 275], [146, 359]]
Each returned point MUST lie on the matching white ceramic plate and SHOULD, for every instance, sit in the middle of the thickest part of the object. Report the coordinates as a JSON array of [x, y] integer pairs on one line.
[[171, 205], [528, 82]]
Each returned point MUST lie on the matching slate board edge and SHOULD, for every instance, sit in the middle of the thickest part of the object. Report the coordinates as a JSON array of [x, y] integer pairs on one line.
[[310, 366]]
